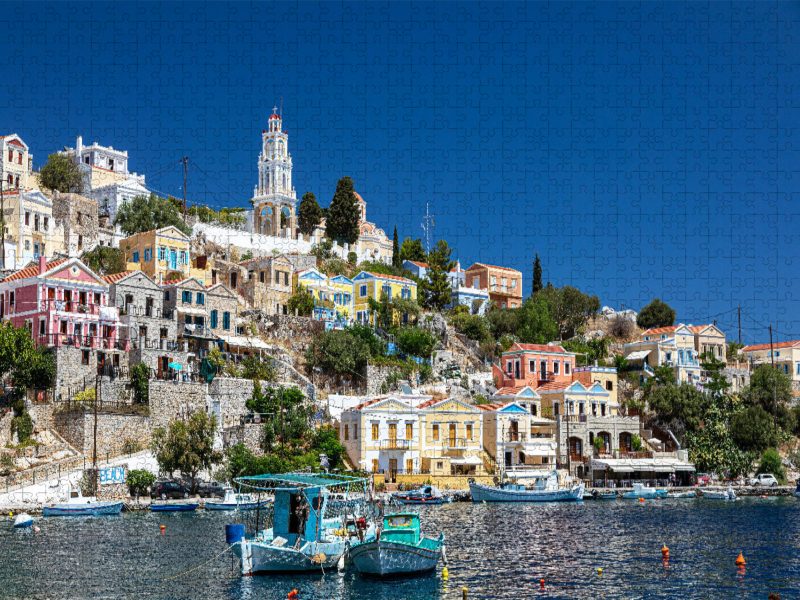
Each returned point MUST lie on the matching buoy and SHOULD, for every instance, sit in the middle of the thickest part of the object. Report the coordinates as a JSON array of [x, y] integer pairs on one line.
[[445, 573], [10, 515], [599, 571], [641, 499], [163, 528], [541, 582], [36, 529], [764, 496], [665, 551], [464, 593], [292, 594], [740, 560]]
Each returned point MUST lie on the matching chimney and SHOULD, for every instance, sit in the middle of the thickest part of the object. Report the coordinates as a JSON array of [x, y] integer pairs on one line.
[[42, 265], [79, 147]]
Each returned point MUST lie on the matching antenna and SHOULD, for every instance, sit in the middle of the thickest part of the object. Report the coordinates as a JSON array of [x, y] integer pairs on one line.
[[427, 227], [280, 114]]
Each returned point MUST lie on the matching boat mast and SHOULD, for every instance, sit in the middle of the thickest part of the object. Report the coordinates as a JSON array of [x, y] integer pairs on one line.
[[94, 445]]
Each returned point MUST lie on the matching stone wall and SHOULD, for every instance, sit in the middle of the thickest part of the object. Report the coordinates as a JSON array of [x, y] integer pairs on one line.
[[232, 394], [71, 427], [288, 328], [249, 434], [41, 415], [113, 491], [614, 426], [70, 369], [376, 376], [78, 215], [5, 426], [115, 432], [170, 400], [738, 378], [150, 356]]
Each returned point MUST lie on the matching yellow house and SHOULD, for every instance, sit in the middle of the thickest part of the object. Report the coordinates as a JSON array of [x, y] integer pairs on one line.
[[160, 252], [452, 440], [382, 436], [343, 299], [368, 285]]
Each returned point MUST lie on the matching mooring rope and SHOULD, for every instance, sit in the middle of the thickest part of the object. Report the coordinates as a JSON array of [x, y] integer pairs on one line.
[[199, 566]]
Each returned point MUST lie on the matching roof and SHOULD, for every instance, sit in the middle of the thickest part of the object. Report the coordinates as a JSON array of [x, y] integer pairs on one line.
[[113, 278], [33, 271], [776, 345], [430, 402], [491, 407], [273, 116], [420, 264], [640, 355], [662, 329], [392, 277], [539, 348], [493, 267], [510, 390], [367, 403], [554, 385]]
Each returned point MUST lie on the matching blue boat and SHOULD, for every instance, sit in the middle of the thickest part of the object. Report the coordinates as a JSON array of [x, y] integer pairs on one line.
[[23, 520], [425, 495], [79, 505], [173, 507], [304, 529], [595, 495], [642, 492], [234, 501]]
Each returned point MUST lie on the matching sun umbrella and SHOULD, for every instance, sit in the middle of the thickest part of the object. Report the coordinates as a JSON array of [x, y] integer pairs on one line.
[[175, 366]]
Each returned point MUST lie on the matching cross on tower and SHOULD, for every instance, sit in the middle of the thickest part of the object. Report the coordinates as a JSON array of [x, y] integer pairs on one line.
[[274, 110]]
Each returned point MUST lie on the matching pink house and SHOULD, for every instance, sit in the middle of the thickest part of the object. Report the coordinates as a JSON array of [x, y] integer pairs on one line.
[[62, 303], [533, 365]]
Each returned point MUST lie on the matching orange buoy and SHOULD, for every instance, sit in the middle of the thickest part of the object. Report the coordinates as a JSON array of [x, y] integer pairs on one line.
[[163, 528], [541, 583], [641, 499], [764, 496], [740, 560], [665, 551]]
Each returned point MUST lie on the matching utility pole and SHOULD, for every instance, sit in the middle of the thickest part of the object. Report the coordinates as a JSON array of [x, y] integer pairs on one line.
[[185, 162], [94, 445], [740, 324], [775, 376], [2, 211]]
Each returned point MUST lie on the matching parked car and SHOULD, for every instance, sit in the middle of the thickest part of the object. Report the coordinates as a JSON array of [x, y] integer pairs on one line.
[[211, 489], [766, 479], [169, 489], [703, 479]]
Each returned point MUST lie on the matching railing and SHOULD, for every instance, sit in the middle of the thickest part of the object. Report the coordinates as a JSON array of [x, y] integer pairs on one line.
[[642, 454], [88, 405], [324, 304], [70, 306], [455, 442], [152, 312], [516, 436], [81, 341], [397, 444], [160, 344], [197, 330], [572, 418]]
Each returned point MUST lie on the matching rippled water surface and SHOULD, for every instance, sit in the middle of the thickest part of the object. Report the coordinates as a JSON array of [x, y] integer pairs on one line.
[[496, 551]]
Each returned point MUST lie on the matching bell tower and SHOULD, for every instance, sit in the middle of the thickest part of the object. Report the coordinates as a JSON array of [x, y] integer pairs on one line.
[[274, 194]]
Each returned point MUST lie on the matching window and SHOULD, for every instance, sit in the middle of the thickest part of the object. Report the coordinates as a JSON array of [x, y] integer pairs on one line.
[[435, 432], [135, 257], [148, 255], [36, 222], [277, 278], [166, 296], [798, 368], [410, 430], [28, 219], [469, 431], [556, 367], [285, 279], [476, 282], [513, 284], [162, 253], [566, 368], [42, 326], [213, 319], [534, 409], [785, 369], [355, 431], [362, 291], [440, 465], [610, 386], [261, 277], [10, 155], [346, 430], [374, 431], [85, 357], [11, 299], [187, 297], [201, 299], [182, 255], [226, 320], [374, 465], [555, 408]]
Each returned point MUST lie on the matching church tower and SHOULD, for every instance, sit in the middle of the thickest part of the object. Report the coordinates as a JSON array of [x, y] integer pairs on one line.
[[274, 194]]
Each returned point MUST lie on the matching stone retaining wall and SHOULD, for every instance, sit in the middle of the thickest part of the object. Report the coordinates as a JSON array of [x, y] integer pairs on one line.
[[5, 427], [70, 368], [231, 393], [170, 400], [41, 415], [250, 435], [113, 491], [115, 432]]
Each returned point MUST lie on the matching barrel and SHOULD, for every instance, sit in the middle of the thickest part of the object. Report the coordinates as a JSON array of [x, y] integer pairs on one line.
[[234, 533]]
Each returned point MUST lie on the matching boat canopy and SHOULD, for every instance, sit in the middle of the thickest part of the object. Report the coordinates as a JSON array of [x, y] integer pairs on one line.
[[291, 482], [630, 465]]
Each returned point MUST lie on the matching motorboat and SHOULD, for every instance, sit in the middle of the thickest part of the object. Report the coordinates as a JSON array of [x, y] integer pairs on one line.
[[545, 490], [234, 501], [398, 549], [643, 492], [79, 505], [728, 494], [595, 495], [683, 495], [427, 494], [303, 529], [182, 507], [23, 520]]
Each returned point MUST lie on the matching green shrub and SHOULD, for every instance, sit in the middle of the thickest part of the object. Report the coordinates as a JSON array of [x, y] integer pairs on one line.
[[23, 426], [140, 383], [771, 463], [636, 443], [139, 481]]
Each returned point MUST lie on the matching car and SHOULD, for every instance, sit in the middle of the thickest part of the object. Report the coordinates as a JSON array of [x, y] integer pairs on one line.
[[703, 479], [211, 489], [766, 479], [169, 489]]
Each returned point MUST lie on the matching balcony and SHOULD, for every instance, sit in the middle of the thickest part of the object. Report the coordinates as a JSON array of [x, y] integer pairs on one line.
[[397, 444], [151, 312], [515, 436], [572, 418], [82, 341], [71, 306], [455, 443], [329, 304]]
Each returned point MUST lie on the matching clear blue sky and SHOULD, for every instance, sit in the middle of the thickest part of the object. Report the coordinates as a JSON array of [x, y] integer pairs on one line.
[[642, 149]]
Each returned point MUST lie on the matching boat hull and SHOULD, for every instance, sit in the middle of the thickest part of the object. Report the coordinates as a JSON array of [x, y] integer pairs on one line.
[[412, 500], [486, 493], [390, 559], [23, 520], [82, 510], [242, 506], [263, 557], [173, 507], [645, 495]]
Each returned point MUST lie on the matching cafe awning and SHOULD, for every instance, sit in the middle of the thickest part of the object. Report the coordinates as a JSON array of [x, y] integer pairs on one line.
[[641, 355], [472, 461], [240, 341]]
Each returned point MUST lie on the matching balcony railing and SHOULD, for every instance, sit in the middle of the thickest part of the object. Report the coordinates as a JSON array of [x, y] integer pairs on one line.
[[516, 436], [455, 443], [81, 341], [572, 418], [70, 306], [324, 304], [396, 444], [152, 312]]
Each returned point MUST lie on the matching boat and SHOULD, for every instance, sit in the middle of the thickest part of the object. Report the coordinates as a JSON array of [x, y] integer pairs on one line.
[[398, 549], [303, 529], [643, 492], [546, 490], [427, 494], [183, 507], [728, 494], [79, 505], [595, 495], [234, 501], [683, 495], [23, 520]]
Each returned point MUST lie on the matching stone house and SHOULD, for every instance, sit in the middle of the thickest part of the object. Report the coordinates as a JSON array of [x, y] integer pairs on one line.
[[223, 307], [78, 216], [268, 285], [187, 297], [227, 273]]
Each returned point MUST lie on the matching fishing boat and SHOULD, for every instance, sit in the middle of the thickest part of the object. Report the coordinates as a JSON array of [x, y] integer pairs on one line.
[[427, 494], [234, 501], [643, 492], [183, 507], [23, 520], [303, 529], [595, 495], [81, 506], [728, 494], [683, 495], [545, 490], [398, 549]]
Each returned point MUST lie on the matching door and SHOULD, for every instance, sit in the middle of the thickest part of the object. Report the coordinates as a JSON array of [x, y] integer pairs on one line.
[[451, 434], [409, 465], [173, 259], [543, 369], [516, 369], [508, 459], [393, 434], [514, 433], [148, 310], [393, 469]]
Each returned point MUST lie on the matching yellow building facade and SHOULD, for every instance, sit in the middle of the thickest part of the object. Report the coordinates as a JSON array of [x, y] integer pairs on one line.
[[160, 252], [368, 285]]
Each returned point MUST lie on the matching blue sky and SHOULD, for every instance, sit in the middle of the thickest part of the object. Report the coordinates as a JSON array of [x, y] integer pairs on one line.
[[642, 149]]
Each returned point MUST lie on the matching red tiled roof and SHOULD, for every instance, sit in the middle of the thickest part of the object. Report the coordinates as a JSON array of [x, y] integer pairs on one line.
[[491, 407], [511, 390], [430, 402], [699, 328], [395, 277], [661, 329], [16, 143], [33, 271], [367, 403], [174, 281], [117, 276], [274, 116], [420, 264], [554, 385], [493, 267], [777, 345], [540, 348]]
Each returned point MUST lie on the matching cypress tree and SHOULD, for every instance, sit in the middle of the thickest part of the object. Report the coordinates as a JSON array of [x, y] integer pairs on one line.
[[537, 275], [396, 262], [343, 214], [309, 214]]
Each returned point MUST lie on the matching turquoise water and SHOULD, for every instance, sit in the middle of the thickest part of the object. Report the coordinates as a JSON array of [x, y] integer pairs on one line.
[[496, 551]]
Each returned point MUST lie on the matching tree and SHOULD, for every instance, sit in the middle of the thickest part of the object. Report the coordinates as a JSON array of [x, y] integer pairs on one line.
[[621, 327], [396, 261], [340, 353], [352, 258], [140, 383], [365, 333], [656, 314], [407, 306], [436, 289], [766, 384], [344, 214], [309, 214], [415, 341], [61, 173], [105, 260], [302, 301], [503, 321], [678, 408], [145, 213], [412, 250], [753, 429], [571, 309], [474, 327], [537, 275], [535, 320], [771, 463], [712, 448], [187, 447], [140, 481]]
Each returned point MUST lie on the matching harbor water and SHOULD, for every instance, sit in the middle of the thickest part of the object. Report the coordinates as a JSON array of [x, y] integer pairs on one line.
[[494, 550]]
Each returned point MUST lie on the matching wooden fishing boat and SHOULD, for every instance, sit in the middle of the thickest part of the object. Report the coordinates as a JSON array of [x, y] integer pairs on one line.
[[427, 494], [83, 506], [643, 492], [546, 490], [183, 507], [399, 549], [728, 494]]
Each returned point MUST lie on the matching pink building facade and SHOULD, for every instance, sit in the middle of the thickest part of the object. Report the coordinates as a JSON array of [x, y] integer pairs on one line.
[[62, 303], [533, 365]]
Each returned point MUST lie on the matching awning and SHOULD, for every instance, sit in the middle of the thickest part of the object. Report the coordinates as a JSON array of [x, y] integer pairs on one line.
[[641, 355], [239, 341], [467, 460], [621, 469], [663, 469], [187, 310], [684, 467]]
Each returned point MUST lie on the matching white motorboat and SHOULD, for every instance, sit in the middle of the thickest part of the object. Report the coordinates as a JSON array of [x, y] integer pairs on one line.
[[23, 520], [545, 490], [79, 505], [728, 494], [234, 501]]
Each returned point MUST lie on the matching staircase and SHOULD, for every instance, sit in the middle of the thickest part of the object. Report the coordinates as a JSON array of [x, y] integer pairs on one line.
[[488, 462], [466, 346]]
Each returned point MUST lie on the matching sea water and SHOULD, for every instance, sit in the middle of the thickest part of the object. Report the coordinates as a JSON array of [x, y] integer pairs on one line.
[[494, 550]]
